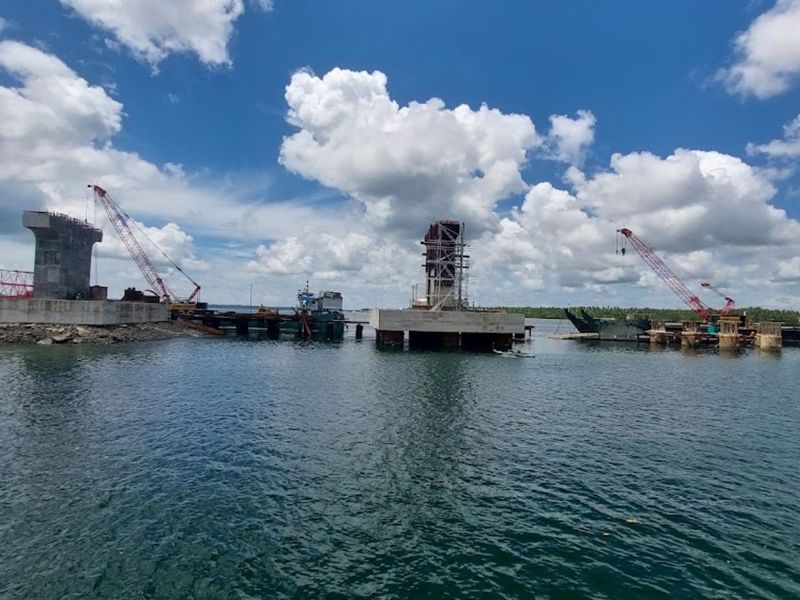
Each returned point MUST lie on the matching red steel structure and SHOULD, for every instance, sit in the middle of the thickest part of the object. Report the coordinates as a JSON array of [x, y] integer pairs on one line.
[[120, 219], [659, 265], [16, 284]]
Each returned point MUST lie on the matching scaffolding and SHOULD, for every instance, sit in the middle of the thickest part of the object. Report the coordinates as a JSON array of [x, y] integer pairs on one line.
[[16, 284], [446, 267]]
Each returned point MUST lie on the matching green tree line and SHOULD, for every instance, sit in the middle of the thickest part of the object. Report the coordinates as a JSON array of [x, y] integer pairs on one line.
[[754, 314]]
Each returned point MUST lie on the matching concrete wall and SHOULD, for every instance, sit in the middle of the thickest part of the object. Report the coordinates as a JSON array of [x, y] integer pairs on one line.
[[446, 321], [63, 259], [81, 312]]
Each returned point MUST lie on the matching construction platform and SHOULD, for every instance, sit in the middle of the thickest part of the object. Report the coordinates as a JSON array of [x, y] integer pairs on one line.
[[465, 329], [81, 312], [727, 334], [270, 324]]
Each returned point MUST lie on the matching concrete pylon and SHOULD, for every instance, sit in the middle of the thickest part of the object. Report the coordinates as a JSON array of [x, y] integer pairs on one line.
[[690, 334], [63, 262], [729, 336], [657, 332], [769, 336]]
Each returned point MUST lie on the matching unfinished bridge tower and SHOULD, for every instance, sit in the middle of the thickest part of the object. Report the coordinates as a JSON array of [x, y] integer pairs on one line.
[[63, 262], [441, 316], [446, 266]]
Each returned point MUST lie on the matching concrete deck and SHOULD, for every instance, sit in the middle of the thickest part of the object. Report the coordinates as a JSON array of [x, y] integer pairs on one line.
[[446, 321], [468, 330]]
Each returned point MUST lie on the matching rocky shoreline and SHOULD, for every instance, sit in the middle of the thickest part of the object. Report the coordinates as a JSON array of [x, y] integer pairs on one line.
[[47, 334]]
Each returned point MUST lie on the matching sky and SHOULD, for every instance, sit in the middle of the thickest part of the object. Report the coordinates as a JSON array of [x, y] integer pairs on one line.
[[265, 143]]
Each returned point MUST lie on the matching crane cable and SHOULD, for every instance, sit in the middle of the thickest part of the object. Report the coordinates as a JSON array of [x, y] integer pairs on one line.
[[683, 271], [152, 243]]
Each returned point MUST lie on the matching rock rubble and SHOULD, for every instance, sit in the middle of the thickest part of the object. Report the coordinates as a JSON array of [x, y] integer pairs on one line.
[[45, 334]]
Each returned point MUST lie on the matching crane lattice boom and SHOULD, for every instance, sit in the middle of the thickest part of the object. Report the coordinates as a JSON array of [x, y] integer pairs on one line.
[[119, 219], [655, 262]]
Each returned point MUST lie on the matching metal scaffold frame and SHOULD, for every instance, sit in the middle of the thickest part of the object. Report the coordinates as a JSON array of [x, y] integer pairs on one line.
[[16, 284], [446, 266]]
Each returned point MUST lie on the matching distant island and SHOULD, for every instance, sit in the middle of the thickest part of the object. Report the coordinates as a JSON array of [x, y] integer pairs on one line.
[[754, 313]]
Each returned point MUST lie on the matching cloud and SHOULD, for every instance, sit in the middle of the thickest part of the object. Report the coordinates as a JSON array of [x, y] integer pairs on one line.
[[169, 240], [54, 105], [409, 164], [691, 200], [399, 167], [265, 5], [569, 139], [710, 212], [56, 136], [153, 29], [768, 53], [787, 147], [551, 242], [359, 256]]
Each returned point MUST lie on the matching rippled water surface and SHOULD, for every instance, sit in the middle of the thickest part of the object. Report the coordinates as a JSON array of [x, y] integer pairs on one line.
[[208, 468]]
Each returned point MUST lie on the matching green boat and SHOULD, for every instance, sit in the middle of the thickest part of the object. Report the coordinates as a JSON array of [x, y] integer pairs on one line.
[[319, 317], [625, 330]]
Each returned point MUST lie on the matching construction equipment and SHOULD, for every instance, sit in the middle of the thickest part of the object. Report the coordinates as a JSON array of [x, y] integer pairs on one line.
[[121, 222], [662, 269]]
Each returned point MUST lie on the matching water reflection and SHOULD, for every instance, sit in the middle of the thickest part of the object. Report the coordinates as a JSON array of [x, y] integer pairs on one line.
[[731, 353], [433, 411], [221, 468]]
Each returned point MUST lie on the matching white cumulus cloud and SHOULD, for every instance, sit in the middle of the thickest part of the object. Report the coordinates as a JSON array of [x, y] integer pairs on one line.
[[710, 212], [787, 147], [568, 138], [405, 164], [768, 53], [153, 29], [358, 256], [56, 136], [691, 199]]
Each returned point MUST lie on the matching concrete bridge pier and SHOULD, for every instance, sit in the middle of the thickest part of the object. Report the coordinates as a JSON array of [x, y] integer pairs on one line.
[[242, 327], [658, 332], [468, 330], [389, 339], [769, 336], [729, 336], [63, 262], [690, 334]]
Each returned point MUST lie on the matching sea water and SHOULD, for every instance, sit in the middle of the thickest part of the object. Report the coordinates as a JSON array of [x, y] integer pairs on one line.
[[226, 468]]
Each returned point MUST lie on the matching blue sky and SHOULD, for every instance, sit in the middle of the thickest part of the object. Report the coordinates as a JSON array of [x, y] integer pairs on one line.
[[655, 77]]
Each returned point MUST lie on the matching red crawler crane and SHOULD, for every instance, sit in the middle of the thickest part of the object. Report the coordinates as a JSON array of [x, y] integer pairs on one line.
[[658, 264], [120, 219]]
